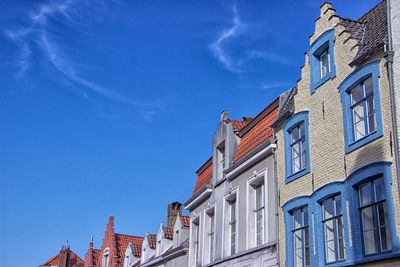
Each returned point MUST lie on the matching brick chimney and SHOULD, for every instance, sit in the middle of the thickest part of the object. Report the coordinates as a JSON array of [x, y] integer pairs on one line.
[[174, 209], [63, 257]]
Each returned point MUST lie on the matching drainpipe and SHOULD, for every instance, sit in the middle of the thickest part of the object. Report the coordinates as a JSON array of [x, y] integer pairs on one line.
[[389, 64], [276, 204]]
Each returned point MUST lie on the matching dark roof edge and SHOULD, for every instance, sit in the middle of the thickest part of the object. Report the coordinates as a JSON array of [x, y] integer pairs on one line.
[[204, 166]]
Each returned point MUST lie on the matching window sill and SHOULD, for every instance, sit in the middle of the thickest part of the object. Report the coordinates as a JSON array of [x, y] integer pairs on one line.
[[321, 81], [297, 175], [363, 141]]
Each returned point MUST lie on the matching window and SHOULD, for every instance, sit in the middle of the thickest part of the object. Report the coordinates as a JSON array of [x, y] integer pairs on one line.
[[321, 58], [361, 106], [298, 148], [362, 109], [221, 159], [211, 236], [232, 224], [374, 217], [324, 63], [332, 216], [296, 135], [106, 258], [259, 213], [196, 239], [301, 238]]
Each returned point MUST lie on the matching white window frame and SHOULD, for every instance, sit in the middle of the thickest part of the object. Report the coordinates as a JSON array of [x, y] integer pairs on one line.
[[196, 241], [221, 158], [228, 199], [258, 178], [210, 233]]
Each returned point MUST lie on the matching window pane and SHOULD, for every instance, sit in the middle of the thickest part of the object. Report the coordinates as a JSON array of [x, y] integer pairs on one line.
[[379, 189], [369, 242], [329, 231], [294, 133], [259, 199], [356, 94], [324, 61], [330, 251], [303, 154], [328, 208], [301, 126], [307, 246], [338, 205], [384, 231], [368, 86], [358, 121], [367, 219], [296, 157], [305, 216], [297, 219], [371, 115], [340, 237], [365, 194], [341, 252]]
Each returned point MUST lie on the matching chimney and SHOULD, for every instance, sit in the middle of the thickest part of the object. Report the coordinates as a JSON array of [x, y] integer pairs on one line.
[[247, 118], [224, 116], [174, 209], [110, 226], [63, 257]]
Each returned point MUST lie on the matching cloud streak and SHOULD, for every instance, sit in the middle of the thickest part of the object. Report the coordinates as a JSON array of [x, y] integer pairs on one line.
[[218, 47], [38, 32]]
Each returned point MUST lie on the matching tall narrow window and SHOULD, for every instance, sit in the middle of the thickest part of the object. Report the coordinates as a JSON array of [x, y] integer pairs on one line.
[[333, 229], [106, 258], [301, 238], [363, 109], [324, 63], [259, 213], [232, 224], [196, 243], [374, 217], [221, 159], [298, 148], [211, 236]]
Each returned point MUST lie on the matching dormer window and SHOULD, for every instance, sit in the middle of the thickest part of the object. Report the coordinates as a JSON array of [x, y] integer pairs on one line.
[[324, 63], [221, 159]]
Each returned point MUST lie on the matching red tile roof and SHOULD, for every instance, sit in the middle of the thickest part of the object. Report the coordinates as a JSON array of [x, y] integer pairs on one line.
[[204, 175], [74, 260], [168, 232], [238, 125], [123, 241], [96, 254], [152, 238], [257, 131], [185, 221]]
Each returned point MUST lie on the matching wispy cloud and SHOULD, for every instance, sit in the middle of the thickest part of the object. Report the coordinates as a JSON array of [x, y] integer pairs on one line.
[[218, 47], [270, 56], [240, 62], [275, 85], [38, 31]]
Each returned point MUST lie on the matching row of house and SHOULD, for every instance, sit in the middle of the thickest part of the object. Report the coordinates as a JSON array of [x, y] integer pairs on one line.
[[311, 180]]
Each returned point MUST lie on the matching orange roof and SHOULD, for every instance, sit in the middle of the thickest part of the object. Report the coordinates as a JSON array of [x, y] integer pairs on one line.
[[257, 131], [186, 221], [74, 259], [238, 125], [152, 238], [168, 232], [123, 241], [204, 175]]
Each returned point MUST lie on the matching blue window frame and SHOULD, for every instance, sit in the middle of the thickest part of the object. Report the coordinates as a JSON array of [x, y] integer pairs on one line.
[[374, 217], [297, 153], [333, 227], [322, 59], [301, 238], [362, 120], [340, 200]]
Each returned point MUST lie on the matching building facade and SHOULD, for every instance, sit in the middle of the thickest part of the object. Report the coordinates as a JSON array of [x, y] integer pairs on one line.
[[338, 191], [233, 206], [65, 258]]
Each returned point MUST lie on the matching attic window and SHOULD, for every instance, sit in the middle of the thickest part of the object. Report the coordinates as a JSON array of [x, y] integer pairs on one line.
[[324, 63], [221, 159]]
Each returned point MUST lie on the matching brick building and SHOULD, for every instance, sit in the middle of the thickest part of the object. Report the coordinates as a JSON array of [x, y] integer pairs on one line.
[[65, 258], [336, 170]]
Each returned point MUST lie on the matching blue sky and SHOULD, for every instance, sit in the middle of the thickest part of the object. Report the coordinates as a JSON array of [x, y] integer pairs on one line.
[[109, 107]]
